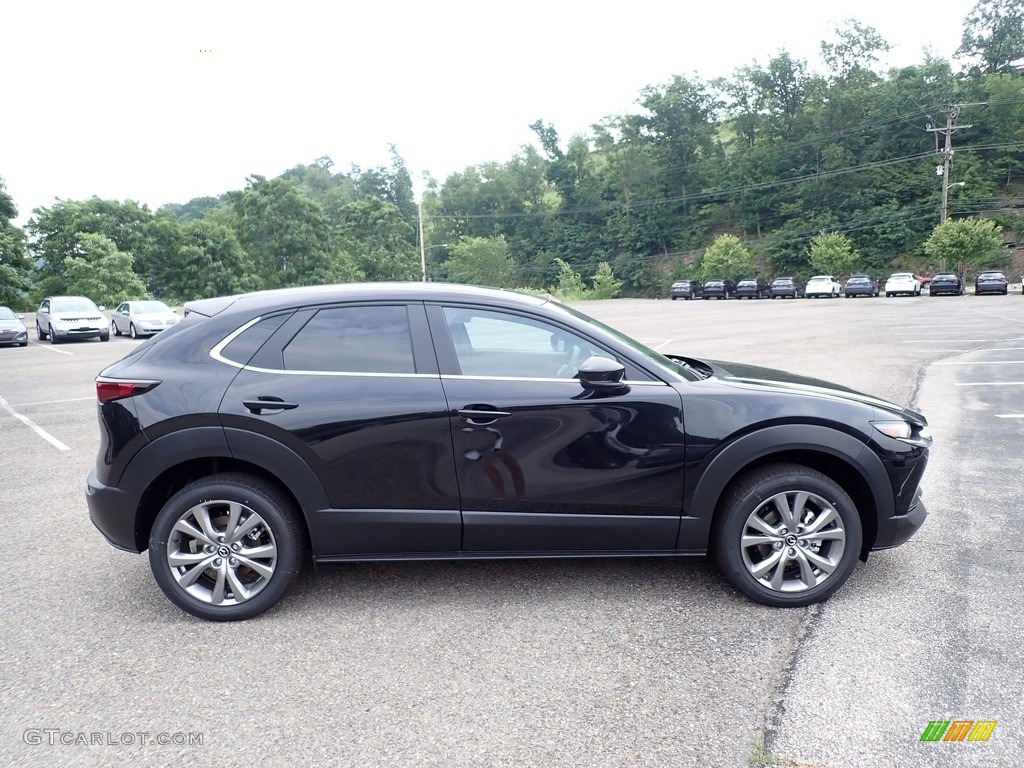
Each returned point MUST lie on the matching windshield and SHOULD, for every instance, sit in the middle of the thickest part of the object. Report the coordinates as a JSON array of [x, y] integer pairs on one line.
[[857, 280], [149, 307], [658, 359], [902, 276], [6, 314], [73, 304]]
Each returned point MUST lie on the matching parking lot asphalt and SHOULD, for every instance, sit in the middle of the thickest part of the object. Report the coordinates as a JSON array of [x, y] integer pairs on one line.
[[544, 663]]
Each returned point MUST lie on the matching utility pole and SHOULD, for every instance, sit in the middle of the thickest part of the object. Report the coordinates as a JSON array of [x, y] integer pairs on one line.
[[952, 113], [423, 246]]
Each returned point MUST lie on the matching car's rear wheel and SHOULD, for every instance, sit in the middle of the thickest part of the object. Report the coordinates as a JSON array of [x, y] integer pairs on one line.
[[224, 548], [786, 535]]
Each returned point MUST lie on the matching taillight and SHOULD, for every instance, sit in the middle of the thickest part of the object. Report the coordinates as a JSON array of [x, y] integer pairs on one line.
[[116, 389]]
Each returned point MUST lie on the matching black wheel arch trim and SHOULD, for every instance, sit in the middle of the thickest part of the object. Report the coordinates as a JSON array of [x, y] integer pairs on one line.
[[751, 448], [210, 442]]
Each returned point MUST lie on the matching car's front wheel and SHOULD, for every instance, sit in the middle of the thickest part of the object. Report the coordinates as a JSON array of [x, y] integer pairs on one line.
[[225, 547], [786, 535], [39, 332], [52, 335], [132, 331]]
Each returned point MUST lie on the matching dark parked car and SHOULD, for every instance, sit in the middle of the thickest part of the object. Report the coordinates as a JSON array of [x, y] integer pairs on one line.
[[752, 289], [787, 287], [418, 421], [861, 285], [946, 282], [12, 330], [686, 289], [719, 289], [991, 282]]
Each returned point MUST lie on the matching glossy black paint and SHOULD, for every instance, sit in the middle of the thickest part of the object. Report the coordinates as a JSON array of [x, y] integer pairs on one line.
[[630, 457]]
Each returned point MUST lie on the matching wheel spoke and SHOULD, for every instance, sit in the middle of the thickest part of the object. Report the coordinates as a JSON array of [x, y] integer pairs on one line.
[[234, 513], [832, 534], [755, 541], [217, 595], [807, 575], [266, 571], [780, 574], [185, 526], [758, 570], [240, 591], [825, 518], [262, 552], [799, 502], [247, 525], [826, 565], [184, 559], [202, 516], [755, 521], [191, 576]]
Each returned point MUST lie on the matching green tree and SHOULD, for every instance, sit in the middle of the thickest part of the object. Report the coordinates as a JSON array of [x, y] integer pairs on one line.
[[285, 232], [481, 261], [15, 268], [101, 272], [378, 239], [833, 253], [209, 262], [569, 284], [604, 283], [977, 242], [726, 257], [994, 34]]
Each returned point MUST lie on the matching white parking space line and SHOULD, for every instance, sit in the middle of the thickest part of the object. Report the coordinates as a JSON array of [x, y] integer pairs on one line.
[[979, 362], [659, 346], [943, 341], [993, 314], [51, 402], [1010, 415], [50, 347], [33, 426], [990, 383]]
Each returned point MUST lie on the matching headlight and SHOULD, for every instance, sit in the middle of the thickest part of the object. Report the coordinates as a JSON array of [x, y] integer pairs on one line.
[[904, 431]]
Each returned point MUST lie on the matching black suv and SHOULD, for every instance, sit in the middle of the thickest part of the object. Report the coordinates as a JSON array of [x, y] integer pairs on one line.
[[417, 421], [719, 289], [992, 281], [755, 288]]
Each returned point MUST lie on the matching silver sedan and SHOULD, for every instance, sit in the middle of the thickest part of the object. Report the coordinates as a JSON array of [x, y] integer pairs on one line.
[[142, 318]]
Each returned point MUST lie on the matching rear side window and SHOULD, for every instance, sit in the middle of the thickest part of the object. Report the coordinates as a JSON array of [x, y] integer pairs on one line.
[[353, 339], [248, 342]]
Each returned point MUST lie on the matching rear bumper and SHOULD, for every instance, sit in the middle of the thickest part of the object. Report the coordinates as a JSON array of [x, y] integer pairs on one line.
[[112, 511]]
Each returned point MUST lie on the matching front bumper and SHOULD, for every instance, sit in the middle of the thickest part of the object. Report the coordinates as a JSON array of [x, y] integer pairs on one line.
[[113, 512], [895, 530], [80, 333]]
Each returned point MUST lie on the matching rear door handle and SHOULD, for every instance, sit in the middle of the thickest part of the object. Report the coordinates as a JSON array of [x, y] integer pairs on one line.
[[481, 416], [268, 403]]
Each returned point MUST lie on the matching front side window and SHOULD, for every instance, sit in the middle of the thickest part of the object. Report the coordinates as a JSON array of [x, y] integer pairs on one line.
[[498, 344], [353, 339]]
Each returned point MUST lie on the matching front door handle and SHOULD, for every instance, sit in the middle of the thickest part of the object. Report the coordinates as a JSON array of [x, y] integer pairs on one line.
[[268, 403], [482, 415]]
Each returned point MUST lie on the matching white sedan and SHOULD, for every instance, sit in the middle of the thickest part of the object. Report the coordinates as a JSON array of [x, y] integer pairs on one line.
[[822, 285], [903, 282], [142, 318]]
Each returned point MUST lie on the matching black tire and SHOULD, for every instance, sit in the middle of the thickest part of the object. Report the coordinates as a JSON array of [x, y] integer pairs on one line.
[[39, 333], [52, 335], [673, 298], [278, 536], [105, 336], [114, 328], [131, 331], [23, 344], [753, 494]]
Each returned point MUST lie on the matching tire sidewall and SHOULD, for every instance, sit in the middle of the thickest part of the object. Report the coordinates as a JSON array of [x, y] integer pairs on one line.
[[278, 517]]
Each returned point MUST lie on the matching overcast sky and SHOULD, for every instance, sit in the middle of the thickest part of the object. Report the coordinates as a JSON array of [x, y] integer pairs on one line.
[[161, 102]]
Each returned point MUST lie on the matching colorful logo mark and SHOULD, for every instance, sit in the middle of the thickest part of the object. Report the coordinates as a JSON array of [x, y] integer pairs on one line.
[[958, 730]]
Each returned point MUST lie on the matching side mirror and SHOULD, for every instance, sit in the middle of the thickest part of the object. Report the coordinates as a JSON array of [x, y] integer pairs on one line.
[[601, 374], [21, 317], [102, 308]]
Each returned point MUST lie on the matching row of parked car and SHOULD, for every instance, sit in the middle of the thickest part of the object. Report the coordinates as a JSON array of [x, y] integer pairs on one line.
[[826, 286]]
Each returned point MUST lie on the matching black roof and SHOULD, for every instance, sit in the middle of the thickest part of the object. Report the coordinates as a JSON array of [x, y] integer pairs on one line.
[[263, 301]]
